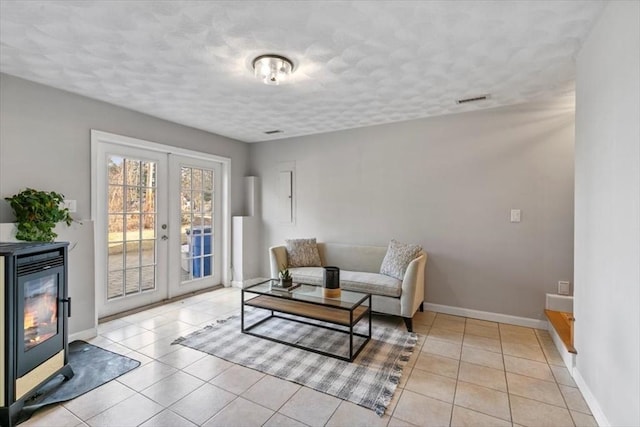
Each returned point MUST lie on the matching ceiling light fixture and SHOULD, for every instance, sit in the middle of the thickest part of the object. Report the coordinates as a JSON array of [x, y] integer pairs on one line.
[[272, 69]]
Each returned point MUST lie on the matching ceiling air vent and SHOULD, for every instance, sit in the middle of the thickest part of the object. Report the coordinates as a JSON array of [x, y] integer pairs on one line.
[[473, 99], [271, 132]]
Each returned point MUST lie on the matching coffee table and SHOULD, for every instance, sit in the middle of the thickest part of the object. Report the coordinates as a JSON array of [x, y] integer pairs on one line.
[[308, 303]]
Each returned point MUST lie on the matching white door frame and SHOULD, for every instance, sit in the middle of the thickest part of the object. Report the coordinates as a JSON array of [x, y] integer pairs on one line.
[[98, 137]]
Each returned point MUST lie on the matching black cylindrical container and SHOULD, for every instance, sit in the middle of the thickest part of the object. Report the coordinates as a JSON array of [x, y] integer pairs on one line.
[[331, 278]]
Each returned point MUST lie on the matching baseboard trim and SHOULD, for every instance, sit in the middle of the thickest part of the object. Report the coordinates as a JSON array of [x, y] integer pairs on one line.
[[591, 400], [87, 334], [569, 359], [487, 315]]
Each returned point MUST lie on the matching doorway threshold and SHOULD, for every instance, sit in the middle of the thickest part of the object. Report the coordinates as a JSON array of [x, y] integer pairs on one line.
[[158, 304]]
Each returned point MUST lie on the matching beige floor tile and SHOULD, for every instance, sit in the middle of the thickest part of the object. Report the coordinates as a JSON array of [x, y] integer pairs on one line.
[[441, 348], [432, 385], [237, 379], [154, 322], [167, 418], [529, 368], [419, 329], [482, 343], [125, 332], [562, 375], [574, 399], [172, 388], [483, 376], [208, 367], [524, 351], [182, 357], [240, 412], [513, 329], [159, 348], [552, 355], [130, 412], [144, 376], [446, 323], [478, 356], [446, 335], [483, 323], [203, 403], [349, 414], [310, 407], [279, 420], [543, 334], [463, 417], [437, 365], [482, 331], [174, 329], [421, 410], [529, 412], [583, 420], [141, 340], [424, 317], [519, 338], [271, 392], [532, 388], [396, 422], [103, 328], [482, 399], [451, 317], [55, 416], [98, 400], [193, 317]]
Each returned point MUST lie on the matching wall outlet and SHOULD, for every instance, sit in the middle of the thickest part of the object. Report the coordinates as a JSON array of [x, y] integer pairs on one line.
[[515, 215], [563, 287], [71, 205]]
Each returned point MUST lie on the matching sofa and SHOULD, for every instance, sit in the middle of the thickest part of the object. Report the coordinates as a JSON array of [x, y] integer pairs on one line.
[[360, 272]]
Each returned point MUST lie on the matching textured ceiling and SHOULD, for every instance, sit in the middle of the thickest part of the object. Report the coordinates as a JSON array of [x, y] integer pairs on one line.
[[357, 63]]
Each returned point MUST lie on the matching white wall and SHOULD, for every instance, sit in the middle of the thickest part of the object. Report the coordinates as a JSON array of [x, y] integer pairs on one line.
[[447, 183], [607, 217], [45, 144]]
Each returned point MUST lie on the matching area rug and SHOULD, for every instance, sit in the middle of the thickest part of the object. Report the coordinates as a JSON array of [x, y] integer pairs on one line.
[[92, 366], [369, 381]]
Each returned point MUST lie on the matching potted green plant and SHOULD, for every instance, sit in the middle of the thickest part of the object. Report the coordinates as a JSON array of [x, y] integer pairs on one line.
[[37, 213], [286, 281]]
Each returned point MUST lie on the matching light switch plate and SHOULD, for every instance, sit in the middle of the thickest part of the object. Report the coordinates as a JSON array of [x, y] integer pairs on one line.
[[515, 215], [71, 205], [563, 287]]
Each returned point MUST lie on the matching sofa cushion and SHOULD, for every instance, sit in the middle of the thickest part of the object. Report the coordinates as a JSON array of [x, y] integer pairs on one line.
[[302, 253], [398, 257], [372, 283]]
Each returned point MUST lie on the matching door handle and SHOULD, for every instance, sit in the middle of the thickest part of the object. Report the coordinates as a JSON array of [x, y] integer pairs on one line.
[[165, 237]]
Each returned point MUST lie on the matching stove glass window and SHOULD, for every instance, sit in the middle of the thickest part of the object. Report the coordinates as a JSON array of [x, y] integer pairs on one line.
[[40, 310]]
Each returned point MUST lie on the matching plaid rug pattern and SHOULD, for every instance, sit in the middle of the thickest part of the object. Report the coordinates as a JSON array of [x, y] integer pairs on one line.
[[369, 381]]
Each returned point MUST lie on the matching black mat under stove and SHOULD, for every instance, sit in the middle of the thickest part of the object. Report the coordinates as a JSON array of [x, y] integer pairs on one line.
[[92, 366]]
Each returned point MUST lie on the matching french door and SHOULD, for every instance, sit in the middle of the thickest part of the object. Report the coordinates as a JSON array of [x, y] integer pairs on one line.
[[158, 226], [195, 201]]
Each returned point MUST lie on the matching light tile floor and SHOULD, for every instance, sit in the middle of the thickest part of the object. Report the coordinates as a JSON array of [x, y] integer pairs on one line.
[[463, 372]]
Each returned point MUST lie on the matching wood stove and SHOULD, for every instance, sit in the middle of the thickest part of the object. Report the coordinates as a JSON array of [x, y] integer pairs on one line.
[[33, 338]]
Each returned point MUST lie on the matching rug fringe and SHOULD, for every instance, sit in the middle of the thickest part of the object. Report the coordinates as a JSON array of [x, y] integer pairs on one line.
[[180, 340], [384, 399]]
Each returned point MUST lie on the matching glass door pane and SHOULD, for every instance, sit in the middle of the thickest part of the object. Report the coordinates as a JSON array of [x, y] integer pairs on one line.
[[196, 223], [131, 213]]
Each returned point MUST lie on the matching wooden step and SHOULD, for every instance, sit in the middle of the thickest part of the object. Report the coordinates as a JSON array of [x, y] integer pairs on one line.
[[563, 324]]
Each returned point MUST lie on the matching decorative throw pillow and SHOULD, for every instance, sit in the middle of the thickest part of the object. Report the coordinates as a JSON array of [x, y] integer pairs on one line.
[[397, 258], [303, 253]]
